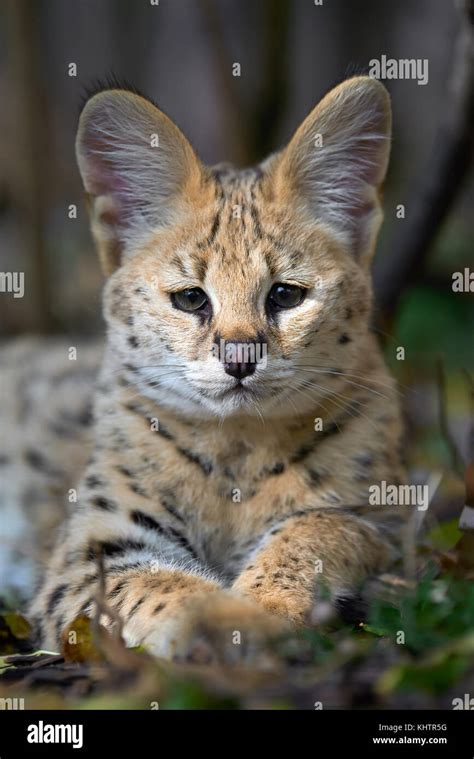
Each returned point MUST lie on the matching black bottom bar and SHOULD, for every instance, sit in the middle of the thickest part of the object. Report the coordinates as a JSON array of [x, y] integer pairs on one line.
[[155, 732]]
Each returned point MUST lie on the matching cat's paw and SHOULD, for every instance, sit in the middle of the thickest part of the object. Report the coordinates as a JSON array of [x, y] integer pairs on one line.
[[226, 629], [292, 604]]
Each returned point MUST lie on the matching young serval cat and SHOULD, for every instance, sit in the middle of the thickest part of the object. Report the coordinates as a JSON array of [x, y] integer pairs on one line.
[[243, 408]]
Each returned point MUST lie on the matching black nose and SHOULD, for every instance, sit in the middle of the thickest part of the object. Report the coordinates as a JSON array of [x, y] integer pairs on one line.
[[242, 357], [239, 370]]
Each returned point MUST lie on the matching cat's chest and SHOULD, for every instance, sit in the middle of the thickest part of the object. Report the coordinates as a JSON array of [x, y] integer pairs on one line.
[[221, 486], [224, 504]]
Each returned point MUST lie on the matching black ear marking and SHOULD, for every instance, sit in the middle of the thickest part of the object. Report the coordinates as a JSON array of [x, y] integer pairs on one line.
[[110, 82]]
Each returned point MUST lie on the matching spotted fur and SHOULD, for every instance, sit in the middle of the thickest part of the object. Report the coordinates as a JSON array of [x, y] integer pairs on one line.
[[212, 500]]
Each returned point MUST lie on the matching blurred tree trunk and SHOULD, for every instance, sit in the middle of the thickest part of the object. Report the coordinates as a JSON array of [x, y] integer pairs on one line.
[[273, 99], [252, 129], [30, 119], [134, 31], [439, 184]]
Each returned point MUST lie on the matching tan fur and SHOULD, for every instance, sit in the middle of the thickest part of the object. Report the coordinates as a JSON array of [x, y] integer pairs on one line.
[[217, 520]]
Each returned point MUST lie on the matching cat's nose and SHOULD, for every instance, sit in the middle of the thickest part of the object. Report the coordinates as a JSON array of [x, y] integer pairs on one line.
[[240, 358], [239, 369]]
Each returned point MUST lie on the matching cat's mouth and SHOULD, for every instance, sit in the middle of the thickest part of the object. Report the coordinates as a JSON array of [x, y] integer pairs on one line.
[[238, 392], [237, 396], [239, 389]]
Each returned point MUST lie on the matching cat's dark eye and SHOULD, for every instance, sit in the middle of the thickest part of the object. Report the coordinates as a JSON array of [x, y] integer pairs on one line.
[[191, 299], [285, 296]]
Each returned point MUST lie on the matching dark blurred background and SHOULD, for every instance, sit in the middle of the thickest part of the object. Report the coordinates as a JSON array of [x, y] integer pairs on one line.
[[180, 53]]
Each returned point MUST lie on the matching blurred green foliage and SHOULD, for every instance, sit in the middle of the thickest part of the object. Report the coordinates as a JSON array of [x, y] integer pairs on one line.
[[432, 324]]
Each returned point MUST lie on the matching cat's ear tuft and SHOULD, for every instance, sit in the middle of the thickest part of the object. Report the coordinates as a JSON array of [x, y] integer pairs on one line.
[[136, 167], [335, 164]]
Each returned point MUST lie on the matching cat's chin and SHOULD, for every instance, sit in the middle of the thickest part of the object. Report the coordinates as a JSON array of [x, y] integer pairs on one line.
[[237, 401], [201, 406], [241, 403]]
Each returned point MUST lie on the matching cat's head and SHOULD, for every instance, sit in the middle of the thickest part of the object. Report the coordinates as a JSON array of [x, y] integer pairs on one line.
[[236, 291]]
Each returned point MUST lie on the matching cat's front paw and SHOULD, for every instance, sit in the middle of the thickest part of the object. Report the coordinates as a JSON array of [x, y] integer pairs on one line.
[[226, 629]]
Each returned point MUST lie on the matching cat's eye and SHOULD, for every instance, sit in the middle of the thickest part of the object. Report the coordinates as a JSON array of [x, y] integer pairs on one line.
[[285, 296], [191, 299]]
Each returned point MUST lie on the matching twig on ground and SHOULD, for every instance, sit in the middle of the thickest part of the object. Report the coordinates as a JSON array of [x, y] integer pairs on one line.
[[102, 607]]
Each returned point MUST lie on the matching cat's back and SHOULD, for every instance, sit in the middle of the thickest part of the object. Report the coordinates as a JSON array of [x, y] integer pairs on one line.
[[46, 389]]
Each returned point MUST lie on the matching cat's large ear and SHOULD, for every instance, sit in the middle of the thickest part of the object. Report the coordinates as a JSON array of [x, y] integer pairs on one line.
[[336, 162], [137, 168]]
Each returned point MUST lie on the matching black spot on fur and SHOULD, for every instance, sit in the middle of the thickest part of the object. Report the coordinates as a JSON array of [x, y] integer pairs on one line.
[[62, 430], [132, 341], [85, 605], [85, 416], [303, 452], [179, 538], [116, 590], [37, 461], [59, 627], [92, 481], [115, 548], [214, 229], [314, 476], [131, 368], [331, 429], [136, 606], [208, 242], [344, 339], [277, 468], [104, 503], [125, 471], [55, 597], [204, 465], [164, 432], [38, 630], [159, 608], [256, 222], [147, 521], [178, 263], [115, 569], [136, 488], [153, 383], [171, 509]]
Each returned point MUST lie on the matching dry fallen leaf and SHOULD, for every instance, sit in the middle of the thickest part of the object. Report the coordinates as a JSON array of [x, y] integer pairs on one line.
[[15, 632], [77, 642]]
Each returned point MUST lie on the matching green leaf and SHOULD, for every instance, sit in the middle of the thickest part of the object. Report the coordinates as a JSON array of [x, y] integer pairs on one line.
[[445, 535], [426, 676], [379, 631]]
